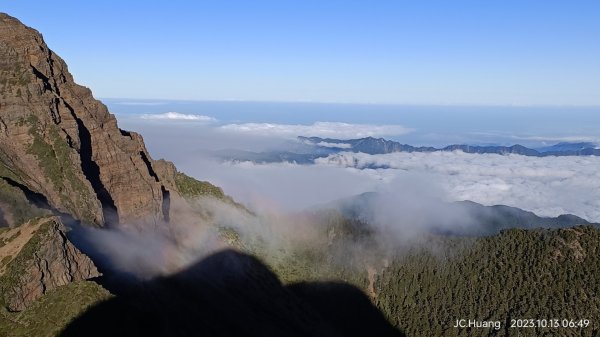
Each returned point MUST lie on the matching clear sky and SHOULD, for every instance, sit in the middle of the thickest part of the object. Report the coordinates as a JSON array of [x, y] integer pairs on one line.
[[409, 52]]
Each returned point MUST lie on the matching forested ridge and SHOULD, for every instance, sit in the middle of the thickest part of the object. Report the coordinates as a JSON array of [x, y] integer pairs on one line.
[[518, 274]]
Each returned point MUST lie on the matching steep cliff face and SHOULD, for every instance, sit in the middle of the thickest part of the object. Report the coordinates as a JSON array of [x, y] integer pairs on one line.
[[59, 142], [38, 258]]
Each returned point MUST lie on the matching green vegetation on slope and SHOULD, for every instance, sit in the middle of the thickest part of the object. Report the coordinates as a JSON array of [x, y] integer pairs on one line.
[[55, 159], [518, 274], [192, 188], [7, 172], [330, 254], [50, 314], [15, 268]]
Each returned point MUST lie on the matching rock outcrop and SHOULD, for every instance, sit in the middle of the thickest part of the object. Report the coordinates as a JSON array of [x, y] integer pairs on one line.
[[59, 142], [63, 156], [41, 259]]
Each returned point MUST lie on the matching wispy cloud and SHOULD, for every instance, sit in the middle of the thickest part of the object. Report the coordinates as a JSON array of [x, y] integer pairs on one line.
[[318, 129], [335, 145], [179, 116]]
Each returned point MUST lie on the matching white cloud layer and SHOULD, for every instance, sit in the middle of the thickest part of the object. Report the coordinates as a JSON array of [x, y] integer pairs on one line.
[[318, 129], [281, 186], [335, 145], [179, 116], [548, 186]]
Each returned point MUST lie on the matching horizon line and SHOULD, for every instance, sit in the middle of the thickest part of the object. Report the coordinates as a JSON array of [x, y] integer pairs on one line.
[[474, 105]]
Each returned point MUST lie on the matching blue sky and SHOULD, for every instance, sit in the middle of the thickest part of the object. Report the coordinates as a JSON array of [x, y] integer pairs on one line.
[[406, 52]]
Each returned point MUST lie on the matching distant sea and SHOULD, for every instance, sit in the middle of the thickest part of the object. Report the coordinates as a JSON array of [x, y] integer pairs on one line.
[[433, 125]]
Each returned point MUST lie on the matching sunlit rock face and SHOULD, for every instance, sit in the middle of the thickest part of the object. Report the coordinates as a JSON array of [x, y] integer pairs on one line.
[[41, 259], [58, 141]]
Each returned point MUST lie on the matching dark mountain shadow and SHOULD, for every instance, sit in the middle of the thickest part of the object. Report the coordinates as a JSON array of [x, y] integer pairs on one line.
[[345, 307], [36, 199], [38, 205], [233, 294]]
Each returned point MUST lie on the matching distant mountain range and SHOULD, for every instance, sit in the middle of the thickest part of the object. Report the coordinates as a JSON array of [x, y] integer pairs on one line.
[[464, 218], [311, 148], [372, 145]]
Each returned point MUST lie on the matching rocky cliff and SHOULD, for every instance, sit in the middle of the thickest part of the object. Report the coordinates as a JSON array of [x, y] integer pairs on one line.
[[38, 258], [59, 144], [63, 156]]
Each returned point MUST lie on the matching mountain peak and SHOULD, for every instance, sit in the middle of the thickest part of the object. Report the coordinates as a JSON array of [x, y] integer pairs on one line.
[[58, 141]]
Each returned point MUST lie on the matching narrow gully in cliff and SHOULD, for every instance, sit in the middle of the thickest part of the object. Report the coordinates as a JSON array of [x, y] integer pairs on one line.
[[166, 203], [88, 166], [91, 170], [166, 195], [42, 77]]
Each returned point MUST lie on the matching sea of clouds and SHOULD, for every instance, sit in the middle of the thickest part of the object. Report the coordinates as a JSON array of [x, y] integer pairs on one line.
[[548, 186]]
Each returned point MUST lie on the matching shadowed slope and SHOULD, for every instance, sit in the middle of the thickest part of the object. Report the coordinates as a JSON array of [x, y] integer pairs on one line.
[[233, 294]]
